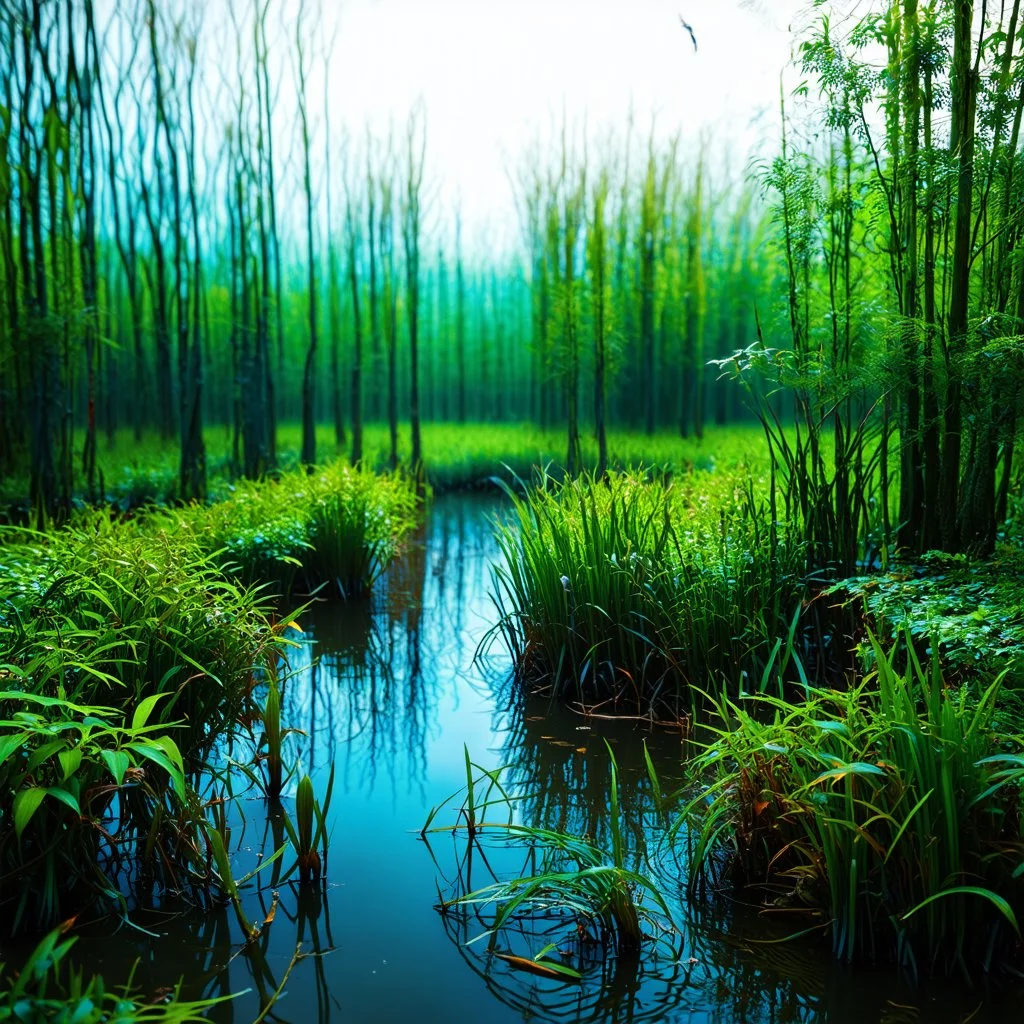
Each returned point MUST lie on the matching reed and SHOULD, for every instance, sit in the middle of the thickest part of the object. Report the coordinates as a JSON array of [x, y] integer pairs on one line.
[[635, 590], [887, 815]]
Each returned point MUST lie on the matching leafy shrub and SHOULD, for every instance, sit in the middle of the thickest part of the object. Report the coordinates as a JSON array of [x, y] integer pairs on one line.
[[972, 610]]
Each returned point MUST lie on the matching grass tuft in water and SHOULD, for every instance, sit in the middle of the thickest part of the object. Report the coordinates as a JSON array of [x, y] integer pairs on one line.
[[46, 990], [581, 888], [888, 815], [633, 590], [336, 528]]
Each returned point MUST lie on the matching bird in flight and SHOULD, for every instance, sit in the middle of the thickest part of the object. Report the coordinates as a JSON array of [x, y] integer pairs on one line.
[[689, 28]]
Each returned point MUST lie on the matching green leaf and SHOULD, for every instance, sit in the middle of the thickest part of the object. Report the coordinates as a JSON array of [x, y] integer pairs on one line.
[[852, 768], [44, 752], [26, 803], [64, 797], [144, 710], [830, 726], [995, 899], [10, 744], [155, 753], [83, 1012], [69, 761], [172, 751], [117, 761]]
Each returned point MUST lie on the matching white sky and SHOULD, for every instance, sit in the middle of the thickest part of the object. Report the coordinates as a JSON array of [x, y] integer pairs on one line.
[[492, 73]]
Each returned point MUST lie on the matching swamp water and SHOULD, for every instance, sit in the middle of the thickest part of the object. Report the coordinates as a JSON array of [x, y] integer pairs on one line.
[[388, 692]]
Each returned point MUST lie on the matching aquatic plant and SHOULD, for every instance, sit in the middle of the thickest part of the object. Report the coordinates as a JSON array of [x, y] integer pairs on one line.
[[337, 526], [44, 989], [358, 522], [308, 833], [634, 590], [571, 880], [273, 739], [127, 655], [887, 814], [106, 611], [90, 797]]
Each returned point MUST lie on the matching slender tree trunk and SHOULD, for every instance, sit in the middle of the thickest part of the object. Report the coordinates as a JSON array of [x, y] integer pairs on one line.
[[411, 228], [964, 93], [309, 367], [356, 381]]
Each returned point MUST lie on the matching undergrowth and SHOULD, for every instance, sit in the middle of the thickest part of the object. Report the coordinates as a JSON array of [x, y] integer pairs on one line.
[[887, 815]]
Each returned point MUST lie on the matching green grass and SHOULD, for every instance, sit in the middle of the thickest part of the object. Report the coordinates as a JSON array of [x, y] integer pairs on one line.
[[635, 590], [887, 815], [456, 456], [583, 889], [110, 611], [45, 989], [130, 646], [337, 526], [126, 655]]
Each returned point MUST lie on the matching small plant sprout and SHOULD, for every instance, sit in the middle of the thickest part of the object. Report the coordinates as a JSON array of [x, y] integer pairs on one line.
[[308, 832]]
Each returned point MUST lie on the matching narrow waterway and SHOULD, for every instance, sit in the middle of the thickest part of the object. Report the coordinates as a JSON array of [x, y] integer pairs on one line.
[[390, 694]]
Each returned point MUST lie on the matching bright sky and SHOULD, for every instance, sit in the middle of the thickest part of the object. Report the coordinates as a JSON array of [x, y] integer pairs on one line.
[[492, 73]]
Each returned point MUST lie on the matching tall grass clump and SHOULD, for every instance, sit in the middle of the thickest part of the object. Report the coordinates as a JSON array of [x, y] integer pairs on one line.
[[887, 815], [634, 588], [337, 526]]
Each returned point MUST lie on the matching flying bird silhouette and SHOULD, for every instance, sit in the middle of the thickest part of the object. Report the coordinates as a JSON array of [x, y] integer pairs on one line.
[[689, 28]]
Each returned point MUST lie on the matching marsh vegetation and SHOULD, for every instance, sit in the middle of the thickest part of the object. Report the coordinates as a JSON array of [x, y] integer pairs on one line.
[[671, 555]]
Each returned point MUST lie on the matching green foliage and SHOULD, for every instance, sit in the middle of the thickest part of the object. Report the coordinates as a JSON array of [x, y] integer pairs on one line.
[[972, 610], [89, 794], [571, 879], [888, 814], [336, 525], [639, 590], [308, 832], [45, 990], [108, 611]]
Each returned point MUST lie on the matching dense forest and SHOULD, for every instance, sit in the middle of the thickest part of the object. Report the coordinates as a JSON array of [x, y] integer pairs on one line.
[[693, 484], [184, 297], [152, 280]]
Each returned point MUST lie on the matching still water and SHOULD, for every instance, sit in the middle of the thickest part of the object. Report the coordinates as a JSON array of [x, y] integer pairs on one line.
[[390, 693]]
